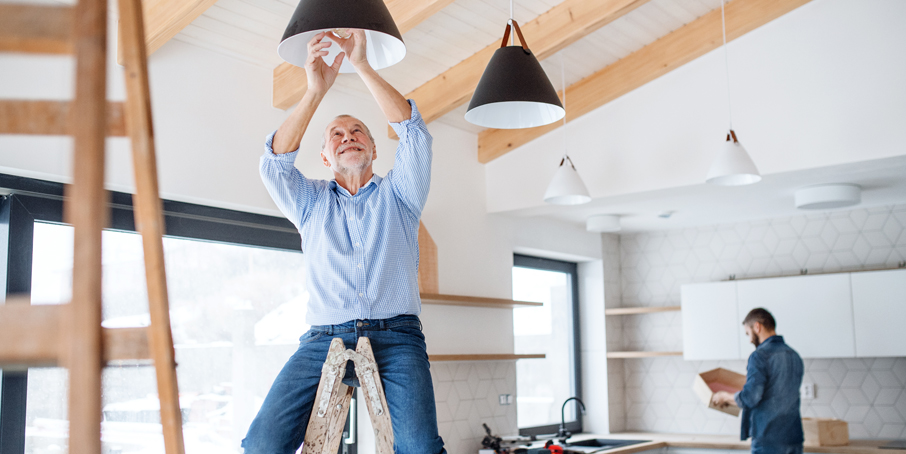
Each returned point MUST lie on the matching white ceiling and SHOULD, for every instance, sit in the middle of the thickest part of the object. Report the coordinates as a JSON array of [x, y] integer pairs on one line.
[[883, 182]]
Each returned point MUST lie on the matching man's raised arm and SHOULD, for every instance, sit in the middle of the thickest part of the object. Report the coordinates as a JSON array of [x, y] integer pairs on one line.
[[320, 78], [394, 105]]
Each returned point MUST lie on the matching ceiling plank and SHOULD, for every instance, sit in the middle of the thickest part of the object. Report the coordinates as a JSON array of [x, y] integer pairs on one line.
[[648, 63], [557, 28], [290, 81]]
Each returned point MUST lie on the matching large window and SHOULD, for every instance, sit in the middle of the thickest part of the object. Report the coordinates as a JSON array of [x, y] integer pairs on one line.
[[543, 385], [237, 306]]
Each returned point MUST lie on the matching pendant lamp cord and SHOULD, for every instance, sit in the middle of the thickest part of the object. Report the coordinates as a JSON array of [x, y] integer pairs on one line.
[[563, 82], [723, 23], [513, 36]]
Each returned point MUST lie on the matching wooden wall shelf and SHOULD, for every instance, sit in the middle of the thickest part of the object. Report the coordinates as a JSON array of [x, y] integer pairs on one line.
[[614, 355], [483, 357], [639, 310], [474, 301]]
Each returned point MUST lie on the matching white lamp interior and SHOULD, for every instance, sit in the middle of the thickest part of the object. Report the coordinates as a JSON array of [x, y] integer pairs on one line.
[[382, 50], [514, 114]]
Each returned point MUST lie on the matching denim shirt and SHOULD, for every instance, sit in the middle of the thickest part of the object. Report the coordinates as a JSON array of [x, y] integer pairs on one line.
[[770, 398]]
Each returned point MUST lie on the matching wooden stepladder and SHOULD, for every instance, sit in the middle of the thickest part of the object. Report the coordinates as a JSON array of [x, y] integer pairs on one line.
[[71, 335], [325, 426]]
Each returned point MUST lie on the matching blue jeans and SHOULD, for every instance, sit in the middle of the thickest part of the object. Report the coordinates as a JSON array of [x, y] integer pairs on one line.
[[399, 349], [763, 448]]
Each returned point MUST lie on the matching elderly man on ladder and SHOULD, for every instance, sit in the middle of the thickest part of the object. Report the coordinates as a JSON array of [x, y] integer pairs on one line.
[[360, 236]]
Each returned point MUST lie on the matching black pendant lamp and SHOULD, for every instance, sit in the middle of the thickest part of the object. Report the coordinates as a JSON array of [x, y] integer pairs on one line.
[[514, 92], [385, 43]]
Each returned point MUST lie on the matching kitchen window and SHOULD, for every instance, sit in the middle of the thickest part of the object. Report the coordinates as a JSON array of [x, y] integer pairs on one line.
[[542, 385], [237, 294]]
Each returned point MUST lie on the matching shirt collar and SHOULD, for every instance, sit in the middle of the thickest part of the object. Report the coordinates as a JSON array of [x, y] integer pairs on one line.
[[774, 338], [374, 181]]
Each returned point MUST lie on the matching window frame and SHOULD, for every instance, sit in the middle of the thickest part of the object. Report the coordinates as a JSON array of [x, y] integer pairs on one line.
[[572, 270], [24, 201]]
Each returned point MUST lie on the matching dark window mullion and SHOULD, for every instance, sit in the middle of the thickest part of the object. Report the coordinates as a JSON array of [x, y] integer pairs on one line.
[[16, 238]]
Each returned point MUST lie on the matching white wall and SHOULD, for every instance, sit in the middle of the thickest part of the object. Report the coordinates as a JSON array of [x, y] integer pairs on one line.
[[819, 86]]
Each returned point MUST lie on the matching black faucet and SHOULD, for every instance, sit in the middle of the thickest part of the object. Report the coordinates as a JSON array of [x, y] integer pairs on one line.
[[562, 433]]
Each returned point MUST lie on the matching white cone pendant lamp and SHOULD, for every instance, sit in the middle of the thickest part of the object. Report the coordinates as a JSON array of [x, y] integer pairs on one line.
[[733, 165], [514, 92], [566, 188], [385, 43]]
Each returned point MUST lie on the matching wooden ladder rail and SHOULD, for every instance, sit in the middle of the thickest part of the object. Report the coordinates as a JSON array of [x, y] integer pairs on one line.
[[325, 425], [85, 207]]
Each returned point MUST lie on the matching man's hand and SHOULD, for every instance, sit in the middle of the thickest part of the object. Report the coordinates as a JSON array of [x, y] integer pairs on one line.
[[321, 76], [354, 47], [723, 399]]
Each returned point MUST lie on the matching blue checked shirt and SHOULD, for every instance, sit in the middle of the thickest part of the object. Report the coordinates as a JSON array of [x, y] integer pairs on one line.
[[360, 251]]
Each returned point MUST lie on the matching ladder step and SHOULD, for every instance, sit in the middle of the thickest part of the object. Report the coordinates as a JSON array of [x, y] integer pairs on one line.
[[36, 29], [51, 117], [32, 336]]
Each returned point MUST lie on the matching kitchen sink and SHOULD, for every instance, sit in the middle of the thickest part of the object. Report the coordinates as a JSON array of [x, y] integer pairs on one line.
[[601, 444]]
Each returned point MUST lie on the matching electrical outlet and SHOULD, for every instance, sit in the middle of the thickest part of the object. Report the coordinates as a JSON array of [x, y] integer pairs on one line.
[[807, 391], [505, 399]]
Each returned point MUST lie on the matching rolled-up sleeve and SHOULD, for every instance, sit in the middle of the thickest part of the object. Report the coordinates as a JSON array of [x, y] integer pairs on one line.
[[753, 390], [290, 190], [411, 174]]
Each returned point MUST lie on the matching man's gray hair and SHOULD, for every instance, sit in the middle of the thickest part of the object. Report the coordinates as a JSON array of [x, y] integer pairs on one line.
[[364, 126]]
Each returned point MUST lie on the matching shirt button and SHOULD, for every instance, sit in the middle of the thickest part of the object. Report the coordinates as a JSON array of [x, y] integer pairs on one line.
[[357, 244], [360, 265], [362, 294]]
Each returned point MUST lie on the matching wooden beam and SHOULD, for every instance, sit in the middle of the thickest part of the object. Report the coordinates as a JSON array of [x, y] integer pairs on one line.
[[427, 263], [290, 81], [557, 28], [475, 301], [164, 19], [33, 336], [640, 310], [29, 335], [652, 61], [36, 29], [51, 117]]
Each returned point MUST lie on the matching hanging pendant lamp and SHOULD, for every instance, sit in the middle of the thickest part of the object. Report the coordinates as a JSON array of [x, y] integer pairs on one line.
[[733, 165], [566, 188], [385, 45], [514, 92]]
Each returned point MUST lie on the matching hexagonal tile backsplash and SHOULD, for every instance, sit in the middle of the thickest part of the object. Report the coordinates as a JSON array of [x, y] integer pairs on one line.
[[869, 393], [466, 394]]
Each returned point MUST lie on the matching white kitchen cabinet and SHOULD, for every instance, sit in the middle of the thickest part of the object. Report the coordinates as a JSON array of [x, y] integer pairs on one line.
[[710, 321], [879, 311], [814, 314]]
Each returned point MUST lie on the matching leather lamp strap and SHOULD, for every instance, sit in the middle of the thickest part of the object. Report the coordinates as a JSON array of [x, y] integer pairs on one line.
[[506, 35]]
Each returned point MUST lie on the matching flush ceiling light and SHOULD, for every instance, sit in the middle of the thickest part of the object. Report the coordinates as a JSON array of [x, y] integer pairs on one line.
[[603, 223], [514, 92], [566, 188], [385, 43], [733, 166], [828, 196]]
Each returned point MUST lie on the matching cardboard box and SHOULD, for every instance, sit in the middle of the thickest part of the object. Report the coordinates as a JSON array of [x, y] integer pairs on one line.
[[825, 432], [720, 379]]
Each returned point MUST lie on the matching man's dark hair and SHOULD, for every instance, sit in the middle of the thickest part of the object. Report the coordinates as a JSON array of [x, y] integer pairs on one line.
[[761, 316]]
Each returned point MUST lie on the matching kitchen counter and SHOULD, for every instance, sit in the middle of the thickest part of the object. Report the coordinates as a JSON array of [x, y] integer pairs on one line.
[[664, 440]]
